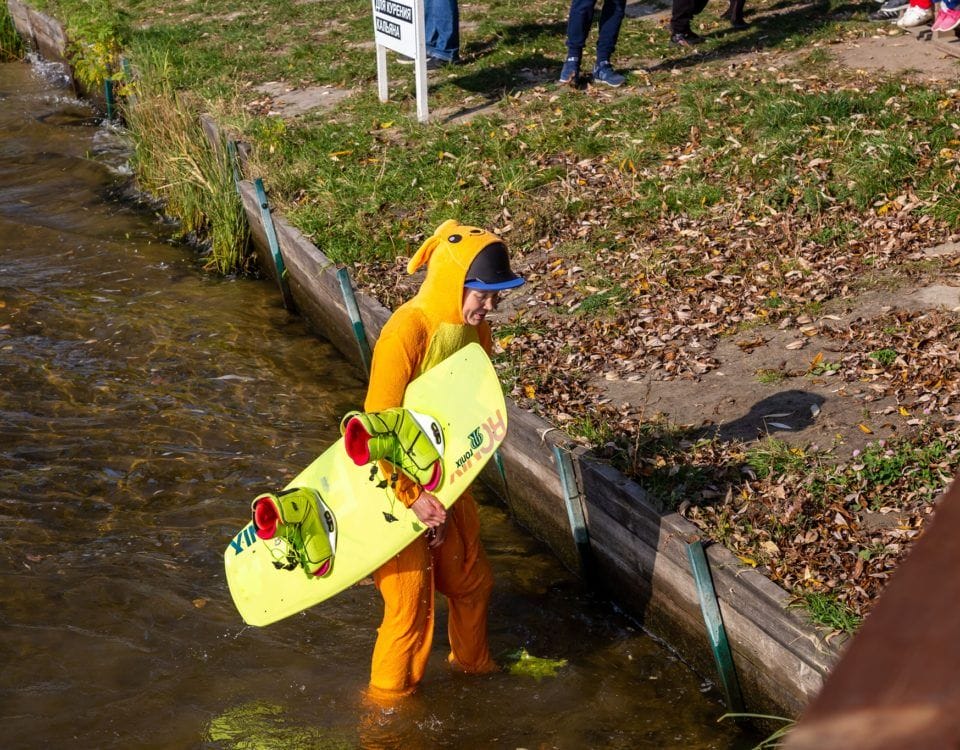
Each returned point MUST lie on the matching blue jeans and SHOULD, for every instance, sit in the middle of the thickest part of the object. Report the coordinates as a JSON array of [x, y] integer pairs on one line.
[[581, 18], [441, 28]]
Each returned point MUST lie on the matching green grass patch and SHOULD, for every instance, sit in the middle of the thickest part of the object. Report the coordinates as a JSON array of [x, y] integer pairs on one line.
[[774, 457], [884, 357], [769, 376], [11, 45], [827, 610]]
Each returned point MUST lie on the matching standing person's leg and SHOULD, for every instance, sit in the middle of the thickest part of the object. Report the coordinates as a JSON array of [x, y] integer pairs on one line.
[[948, 17], [406, 633], [611, 18], [680, 19], [735, 14], [463, 575], [681, 15], [579, 21], [918, 13], [441, 29]]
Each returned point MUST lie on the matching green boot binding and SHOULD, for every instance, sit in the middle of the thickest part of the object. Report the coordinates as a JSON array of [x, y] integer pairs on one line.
[[293, 516], [410, 441]]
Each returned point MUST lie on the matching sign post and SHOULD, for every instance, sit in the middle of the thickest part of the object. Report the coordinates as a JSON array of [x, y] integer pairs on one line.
[[398, 25]]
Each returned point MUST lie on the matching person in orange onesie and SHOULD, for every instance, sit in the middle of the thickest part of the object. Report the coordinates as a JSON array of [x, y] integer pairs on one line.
[[467, 268]]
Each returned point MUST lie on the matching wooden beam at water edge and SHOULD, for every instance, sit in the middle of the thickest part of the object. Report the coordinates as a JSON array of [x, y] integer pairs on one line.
[[898, 684]]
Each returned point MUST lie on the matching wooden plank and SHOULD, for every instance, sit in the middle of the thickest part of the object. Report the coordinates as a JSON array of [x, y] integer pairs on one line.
[[897, 684], [773, 646], [535, 495]]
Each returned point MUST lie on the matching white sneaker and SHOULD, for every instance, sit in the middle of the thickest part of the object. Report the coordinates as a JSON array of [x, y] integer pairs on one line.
[[915, 16]]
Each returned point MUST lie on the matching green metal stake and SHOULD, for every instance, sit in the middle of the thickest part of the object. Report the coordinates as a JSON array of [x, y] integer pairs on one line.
[[271, 233], [498, 460], [108, 95], [128, 77], [232, 155], [716, 633], [571, 498], [346, 289]]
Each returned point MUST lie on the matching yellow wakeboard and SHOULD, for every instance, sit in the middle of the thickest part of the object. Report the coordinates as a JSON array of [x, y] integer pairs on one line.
[[366, 523]]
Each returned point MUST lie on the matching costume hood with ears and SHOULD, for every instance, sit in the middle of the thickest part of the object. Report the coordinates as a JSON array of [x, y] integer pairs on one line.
[[430, 327], [448, 255]]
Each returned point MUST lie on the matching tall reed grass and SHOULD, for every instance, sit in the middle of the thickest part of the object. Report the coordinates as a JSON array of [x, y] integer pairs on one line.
[[175, 162], [11, 45]]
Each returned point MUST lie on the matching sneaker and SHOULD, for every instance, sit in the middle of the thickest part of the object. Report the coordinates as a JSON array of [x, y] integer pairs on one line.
[[915, 16], [293, 515], [948, 19], [411, 442], [889, 11], [433, 63], [603, 72], [685, 38], [570, 72]]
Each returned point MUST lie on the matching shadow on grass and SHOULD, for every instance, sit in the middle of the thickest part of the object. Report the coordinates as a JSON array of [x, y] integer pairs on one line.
[[778, 23], [674, 473]]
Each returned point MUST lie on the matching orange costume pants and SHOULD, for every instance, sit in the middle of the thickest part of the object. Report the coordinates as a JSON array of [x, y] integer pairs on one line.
[[459, 570]]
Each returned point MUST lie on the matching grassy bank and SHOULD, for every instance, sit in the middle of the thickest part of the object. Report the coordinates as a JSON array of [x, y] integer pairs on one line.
[[753, 186], [11, 46]]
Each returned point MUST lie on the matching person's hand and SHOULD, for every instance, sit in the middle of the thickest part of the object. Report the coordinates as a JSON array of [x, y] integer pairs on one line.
[[429, 510]]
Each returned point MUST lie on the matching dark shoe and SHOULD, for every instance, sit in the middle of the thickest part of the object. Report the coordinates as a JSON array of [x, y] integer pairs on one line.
[[404, 60], [889, 11], [738, 24], [570, 72], [435, 63], [603, 72], [685, 39]]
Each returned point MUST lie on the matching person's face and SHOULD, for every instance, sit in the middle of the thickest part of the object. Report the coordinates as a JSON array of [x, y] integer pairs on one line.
[[476, 305]]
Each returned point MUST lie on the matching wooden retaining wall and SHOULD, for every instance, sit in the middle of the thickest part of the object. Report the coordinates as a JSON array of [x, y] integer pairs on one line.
[[637, 553]]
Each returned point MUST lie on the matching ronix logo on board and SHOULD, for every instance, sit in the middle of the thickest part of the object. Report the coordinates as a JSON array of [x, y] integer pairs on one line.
[[483, 440], [244, 540]]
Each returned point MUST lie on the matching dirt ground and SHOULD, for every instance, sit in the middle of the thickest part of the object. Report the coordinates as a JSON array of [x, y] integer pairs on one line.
[[731, 402]]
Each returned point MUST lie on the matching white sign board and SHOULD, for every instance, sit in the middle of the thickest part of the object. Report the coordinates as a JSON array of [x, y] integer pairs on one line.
[[394, 27], [398, 26]]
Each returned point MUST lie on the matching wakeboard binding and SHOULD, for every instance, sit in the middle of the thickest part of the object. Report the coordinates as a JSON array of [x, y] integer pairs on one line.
[[411, 441], [303, 524]]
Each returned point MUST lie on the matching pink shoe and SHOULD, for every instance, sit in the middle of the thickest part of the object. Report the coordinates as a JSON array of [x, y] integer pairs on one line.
[[947, 19]]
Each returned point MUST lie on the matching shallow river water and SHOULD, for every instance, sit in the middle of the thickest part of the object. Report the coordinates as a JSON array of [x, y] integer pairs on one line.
[[144, 404]]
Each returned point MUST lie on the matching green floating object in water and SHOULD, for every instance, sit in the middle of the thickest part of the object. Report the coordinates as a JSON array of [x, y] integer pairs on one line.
[[262, 726], [523, 663]]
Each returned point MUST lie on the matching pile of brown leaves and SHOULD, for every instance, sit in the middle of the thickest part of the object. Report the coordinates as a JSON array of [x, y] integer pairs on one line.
[[656, 298]]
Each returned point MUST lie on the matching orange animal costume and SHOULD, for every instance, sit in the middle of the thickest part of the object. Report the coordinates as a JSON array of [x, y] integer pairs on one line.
[[421, 333]]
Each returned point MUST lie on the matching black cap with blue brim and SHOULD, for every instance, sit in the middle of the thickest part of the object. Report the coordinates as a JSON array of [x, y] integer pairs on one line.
[[490, 270]]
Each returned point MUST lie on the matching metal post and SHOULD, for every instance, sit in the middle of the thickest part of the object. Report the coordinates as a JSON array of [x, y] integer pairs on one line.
[[271, 232], [232, 155], [572, 499], [108, 95], [716, 633], [346, 288]]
